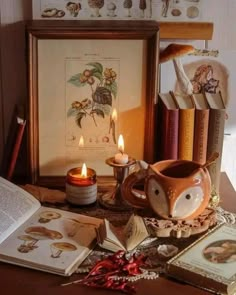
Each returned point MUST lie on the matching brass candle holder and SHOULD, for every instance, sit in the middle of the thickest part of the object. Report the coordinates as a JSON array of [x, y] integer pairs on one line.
[[113, 200]]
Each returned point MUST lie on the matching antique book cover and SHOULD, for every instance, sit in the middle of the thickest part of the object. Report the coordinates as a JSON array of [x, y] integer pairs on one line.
[[169, 120], [200, 128], [186, 126], [42, 238], [215, 136], [210, 262]]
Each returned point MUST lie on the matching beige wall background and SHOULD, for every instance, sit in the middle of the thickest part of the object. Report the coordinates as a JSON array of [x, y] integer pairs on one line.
[[13, 70]]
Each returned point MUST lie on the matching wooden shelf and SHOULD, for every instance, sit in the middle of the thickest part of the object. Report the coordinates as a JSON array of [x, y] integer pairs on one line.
[[186, 30]]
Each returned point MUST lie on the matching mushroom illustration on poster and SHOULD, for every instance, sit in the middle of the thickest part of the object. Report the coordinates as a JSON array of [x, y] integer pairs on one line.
[[211, 74]]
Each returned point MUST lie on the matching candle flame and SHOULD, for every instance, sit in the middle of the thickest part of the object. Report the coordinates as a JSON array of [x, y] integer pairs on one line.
[[81, 141], [84, 171], [114, 115], [121, 144]]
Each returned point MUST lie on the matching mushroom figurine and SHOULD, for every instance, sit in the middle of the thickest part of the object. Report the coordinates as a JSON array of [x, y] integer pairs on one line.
[[96, 5], [59, 247], [174, 52], [127, 6]]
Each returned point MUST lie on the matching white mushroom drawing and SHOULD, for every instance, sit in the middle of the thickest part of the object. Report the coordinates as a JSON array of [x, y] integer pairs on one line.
[[127, 7], [174, 52], [59, 247], [47, 216], [95, 6], [28, 243], [111, 8]]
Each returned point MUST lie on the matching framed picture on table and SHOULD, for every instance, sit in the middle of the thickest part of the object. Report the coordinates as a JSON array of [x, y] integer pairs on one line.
[[89, 82]]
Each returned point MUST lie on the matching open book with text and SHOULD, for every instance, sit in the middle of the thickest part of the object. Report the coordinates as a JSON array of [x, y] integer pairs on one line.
[[42, 238], [127, 239]]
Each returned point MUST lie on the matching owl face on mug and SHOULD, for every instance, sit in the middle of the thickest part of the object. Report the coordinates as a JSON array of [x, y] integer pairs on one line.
[[178, 189]]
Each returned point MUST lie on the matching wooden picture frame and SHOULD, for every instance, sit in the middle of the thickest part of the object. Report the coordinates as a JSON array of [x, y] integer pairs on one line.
[[61, 54]]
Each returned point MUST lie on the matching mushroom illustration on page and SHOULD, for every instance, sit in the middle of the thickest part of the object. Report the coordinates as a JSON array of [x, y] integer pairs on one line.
[[28, 243], [127, 4], [58, 247], [95, 6], [34, 234], [47, 216], [73, 8]]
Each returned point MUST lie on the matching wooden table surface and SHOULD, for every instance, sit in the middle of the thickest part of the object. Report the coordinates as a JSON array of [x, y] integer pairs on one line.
[[19, 280]]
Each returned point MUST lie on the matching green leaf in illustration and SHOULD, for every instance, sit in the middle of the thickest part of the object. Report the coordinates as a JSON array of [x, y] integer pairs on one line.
[[97, 66], [98, 112], [112, 88], [78, 80], [72, 112], [79, 117], [97, 75], [102, 95], [106, 108]]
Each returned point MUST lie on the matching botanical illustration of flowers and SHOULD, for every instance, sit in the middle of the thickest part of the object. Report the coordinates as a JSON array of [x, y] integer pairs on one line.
[[101, 85]]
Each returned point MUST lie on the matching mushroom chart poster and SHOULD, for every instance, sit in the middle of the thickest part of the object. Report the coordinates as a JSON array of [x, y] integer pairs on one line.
[[164, 10]]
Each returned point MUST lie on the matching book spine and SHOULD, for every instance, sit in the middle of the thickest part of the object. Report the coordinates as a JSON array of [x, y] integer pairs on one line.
[[170, 134], [215, 144], [195, 279], [200, 135], [186, 133], [15, 151]]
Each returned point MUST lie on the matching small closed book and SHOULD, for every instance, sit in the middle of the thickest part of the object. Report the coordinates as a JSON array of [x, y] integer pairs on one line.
[[215, 136], [169, 120], [127, 239], [186, 125], [210, 262], [201, 122]]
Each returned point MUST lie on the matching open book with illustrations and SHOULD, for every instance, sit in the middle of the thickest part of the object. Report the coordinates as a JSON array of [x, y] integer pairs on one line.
[[128, 238], [42, 238]]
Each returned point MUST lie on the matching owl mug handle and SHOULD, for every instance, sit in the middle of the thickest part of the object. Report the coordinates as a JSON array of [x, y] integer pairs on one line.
[[137, 199]]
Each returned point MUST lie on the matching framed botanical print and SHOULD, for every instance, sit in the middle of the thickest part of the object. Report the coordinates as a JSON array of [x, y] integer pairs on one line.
[[89, 82]]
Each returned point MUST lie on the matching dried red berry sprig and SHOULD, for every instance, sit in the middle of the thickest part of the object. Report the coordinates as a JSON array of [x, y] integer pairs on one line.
[[103, 273]]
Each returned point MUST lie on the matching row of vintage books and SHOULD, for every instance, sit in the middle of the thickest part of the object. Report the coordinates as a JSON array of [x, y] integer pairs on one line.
[[191, 127]]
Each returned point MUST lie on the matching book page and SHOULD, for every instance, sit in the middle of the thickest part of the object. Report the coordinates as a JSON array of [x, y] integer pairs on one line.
[[135, 232], [51, 240], [16, 206], [114, 236]]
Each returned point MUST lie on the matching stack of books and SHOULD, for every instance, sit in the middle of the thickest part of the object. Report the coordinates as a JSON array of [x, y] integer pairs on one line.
[[191, 127]]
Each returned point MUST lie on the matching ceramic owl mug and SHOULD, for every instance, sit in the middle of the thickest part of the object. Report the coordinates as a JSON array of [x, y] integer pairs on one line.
[[174, 189]]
